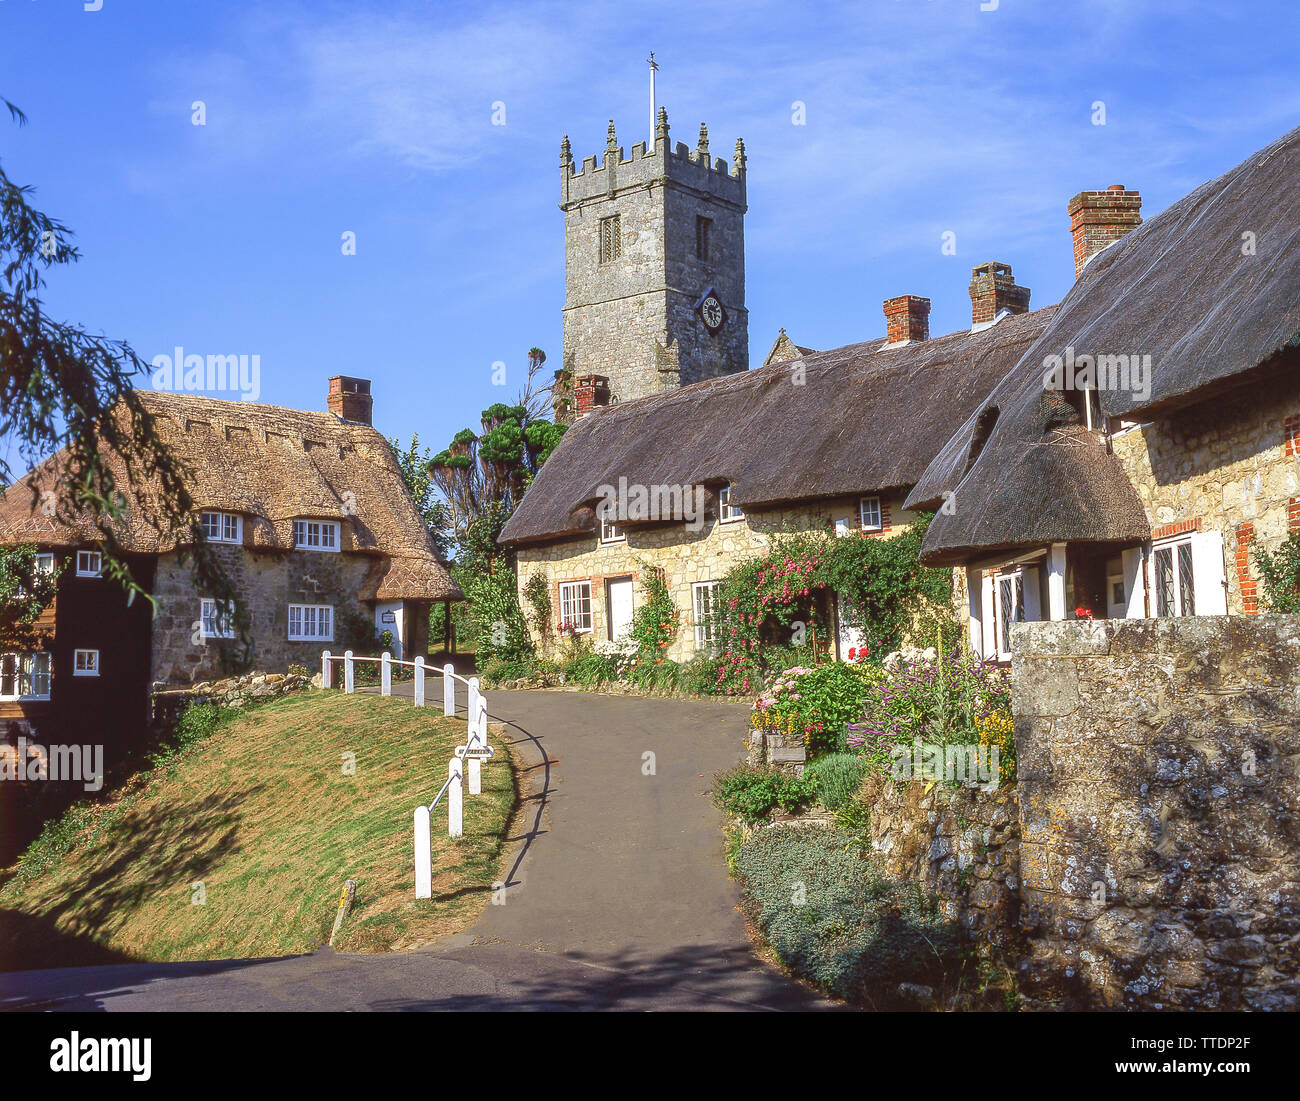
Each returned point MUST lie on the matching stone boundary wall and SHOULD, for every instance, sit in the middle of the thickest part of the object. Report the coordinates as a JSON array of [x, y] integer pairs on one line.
[[1160, 812], [231, 692]]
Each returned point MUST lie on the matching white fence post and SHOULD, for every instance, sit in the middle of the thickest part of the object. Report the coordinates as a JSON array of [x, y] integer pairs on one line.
[[455, 799], [349, 684], [423, 854], [325, 671], [472, 715], [386, 674], [448, 689], [419, 682]]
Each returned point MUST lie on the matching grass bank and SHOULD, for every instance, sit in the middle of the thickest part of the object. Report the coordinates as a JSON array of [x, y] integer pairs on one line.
[[240, 843]]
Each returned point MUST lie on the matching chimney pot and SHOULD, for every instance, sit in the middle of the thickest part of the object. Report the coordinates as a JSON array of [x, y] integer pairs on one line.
[[350, 400], [1099, 218], [907, 319], [993, 289]]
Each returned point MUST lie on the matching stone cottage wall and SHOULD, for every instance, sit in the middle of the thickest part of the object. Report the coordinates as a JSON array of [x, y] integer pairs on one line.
[[1159, 805], [269, 582], [1230, 465], [686, 558]]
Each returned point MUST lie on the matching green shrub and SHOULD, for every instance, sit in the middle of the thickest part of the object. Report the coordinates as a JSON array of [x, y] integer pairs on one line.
[[496, 670], [699, 675], [817, 702], [832, 920], [1280, 573], [837, 776], [751, 794]]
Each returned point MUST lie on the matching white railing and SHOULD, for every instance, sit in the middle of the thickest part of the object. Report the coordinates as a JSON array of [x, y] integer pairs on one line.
[[472, 753]]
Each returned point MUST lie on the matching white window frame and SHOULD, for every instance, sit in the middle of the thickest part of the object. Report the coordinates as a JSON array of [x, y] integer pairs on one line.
[[568, 591], [303, 533], [727, 512], [879, 523], [707, 590], [227, 527], [97, 557], [90, 667], [315, 623], [22, 667], [610, 532], [42, 564], [1181, 605], [222, 626]]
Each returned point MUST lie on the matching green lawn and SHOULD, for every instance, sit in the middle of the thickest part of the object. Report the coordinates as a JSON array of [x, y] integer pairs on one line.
[[263, 816]]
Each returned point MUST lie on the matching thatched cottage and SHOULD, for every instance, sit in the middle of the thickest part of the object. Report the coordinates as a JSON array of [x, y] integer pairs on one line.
[[1149, 439], [700, 478], [310, 517]]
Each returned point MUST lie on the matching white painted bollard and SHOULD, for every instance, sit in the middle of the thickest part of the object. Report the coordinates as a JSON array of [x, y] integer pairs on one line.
[[423, 854], [419, 682], [472, 710], [386, 674], [349, 685], [325, 670], [448, 689], [455, 799]]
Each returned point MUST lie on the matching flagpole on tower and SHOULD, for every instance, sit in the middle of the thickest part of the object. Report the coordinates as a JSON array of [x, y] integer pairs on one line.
[[653, 66]]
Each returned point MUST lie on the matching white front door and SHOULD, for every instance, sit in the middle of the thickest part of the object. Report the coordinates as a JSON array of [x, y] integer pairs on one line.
[[620, 607], [850, 638]]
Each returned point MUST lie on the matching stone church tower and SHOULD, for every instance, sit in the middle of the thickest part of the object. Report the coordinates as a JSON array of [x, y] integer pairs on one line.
[[654, 260]]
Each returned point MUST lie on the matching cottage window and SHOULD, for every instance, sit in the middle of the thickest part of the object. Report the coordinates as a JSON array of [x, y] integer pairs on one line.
[[610, 532], [611, 239], [212, 623], [1172, 579], [321, 535], [90, 564], [870, 514], [728, 512], [25, 676], [703, 238], [223, 527], [43, 565], [1008, 608], [705, 596], [575, 606], [311, 623], [85, 663]]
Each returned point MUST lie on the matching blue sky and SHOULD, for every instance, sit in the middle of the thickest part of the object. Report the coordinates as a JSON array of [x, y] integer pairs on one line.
[[922, 116]]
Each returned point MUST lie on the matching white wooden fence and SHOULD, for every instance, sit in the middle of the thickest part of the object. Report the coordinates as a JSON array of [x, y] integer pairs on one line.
[[464, 769]]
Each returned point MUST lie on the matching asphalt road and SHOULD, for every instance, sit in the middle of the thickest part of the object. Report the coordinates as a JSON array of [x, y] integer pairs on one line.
[[617, 896]]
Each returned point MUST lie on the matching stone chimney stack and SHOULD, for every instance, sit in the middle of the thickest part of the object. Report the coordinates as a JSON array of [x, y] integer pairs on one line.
[[350, 400], [992, 289], [590, 392], [907, 319], [1098, 218]]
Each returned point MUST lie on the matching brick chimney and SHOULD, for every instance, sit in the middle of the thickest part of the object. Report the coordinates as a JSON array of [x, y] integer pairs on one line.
[[590, 392], [993, 289], [907, 319], [1099, 217], [350, 399]]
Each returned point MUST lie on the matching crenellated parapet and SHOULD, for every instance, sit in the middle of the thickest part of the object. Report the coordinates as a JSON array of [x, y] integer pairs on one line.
[[613, 171]]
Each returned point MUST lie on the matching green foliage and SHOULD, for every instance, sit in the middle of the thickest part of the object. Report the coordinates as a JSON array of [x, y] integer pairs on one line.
[[832, 920], [414, 465], [537, 592], [654, 626], [24, 593], [817, 702], [751, 794], [1280, 573], [837, 776]]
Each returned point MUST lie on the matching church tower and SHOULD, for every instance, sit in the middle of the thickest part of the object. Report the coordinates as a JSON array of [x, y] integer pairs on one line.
[[654, 266]]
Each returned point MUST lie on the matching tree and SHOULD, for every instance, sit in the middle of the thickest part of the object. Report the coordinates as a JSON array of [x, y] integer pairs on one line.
[[25, 592], [414, 465], [67, 400], [1280, 573]]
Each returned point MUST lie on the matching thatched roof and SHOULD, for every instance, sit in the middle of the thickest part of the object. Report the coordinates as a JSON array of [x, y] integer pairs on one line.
[[1183, 288], [863, 419], [273, 466]]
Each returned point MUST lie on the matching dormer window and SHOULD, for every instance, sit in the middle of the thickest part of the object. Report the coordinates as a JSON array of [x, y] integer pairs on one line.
[[319, 535], [727, 512], [223, 527], [611, 532]]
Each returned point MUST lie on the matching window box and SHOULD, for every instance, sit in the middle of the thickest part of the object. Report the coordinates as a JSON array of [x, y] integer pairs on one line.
[[311, 623]]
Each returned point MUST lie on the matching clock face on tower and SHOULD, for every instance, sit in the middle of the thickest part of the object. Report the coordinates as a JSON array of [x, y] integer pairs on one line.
[[711, 311]]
